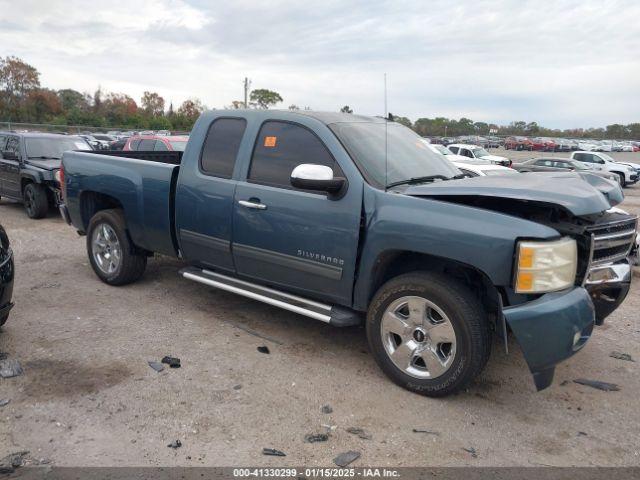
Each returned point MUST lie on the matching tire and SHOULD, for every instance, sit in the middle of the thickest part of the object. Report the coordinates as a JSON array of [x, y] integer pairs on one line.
[[621, 181], [467, 354], [113, 256], [4, 319], [36, 202]]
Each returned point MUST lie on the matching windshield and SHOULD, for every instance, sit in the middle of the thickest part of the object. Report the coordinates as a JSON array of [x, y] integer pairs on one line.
[[606, 157], [50, 147], [480, 152], [407, 155], [178, 146]]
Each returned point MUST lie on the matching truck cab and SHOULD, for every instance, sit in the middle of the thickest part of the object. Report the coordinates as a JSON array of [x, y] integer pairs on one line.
[[625, 174]]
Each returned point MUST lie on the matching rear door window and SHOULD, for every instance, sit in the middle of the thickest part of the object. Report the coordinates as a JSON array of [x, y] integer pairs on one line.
[[281, 147], [221, 146], [160, 146], [146, 144]]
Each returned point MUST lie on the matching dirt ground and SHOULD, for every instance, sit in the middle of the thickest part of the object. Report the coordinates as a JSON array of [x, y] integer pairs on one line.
[[88, 398]]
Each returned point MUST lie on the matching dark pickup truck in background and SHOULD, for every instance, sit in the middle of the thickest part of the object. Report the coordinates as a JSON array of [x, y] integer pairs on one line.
[[350, 219], [29, 168]]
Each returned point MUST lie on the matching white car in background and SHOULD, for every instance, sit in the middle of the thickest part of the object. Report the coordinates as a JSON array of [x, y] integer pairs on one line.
[[476, 152], [485, 169], [627, 174], [442, 150], [587, 145]]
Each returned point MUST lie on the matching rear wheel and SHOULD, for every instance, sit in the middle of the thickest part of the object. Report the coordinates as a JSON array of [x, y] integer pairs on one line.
[[429, 334], [113, 256], [4, 319], [35, 200]]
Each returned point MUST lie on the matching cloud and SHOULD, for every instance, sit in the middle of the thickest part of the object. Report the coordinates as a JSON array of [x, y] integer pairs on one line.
[[563, 63]]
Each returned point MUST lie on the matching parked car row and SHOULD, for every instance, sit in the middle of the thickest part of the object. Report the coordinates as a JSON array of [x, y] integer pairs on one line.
[[542, 144]]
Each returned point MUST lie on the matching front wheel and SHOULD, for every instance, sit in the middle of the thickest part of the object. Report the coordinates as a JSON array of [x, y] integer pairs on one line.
[[35, 201], [428, 333], [621, 181], [113, 256]]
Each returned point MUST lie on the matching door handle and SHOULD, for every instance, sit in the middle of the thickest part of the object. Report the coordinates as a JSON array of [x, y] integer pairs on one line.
[[254, 205]]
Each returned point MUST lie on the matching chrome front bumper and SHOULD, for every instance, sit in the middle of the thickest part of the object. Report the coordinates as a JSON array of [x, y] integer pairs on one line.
[[608, 286]]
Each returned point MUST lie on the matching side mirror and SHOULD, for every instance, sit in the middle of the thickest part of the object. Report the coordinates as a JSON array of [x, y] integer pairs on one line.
[[309, 176]]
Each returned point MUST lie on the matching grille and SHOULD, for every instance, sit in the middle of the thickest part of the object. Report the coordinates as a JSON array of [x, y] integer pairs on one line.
[[613, 241]]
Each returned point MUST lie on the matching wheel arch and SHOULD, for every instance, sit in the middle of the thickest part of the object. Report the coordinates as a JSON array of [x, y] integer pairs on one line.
[[393, 263], [92, 202]]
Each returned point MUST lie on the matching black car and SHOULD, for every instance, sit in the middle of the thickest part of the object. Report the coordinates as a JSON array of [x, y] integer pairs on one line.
[[30, 168], [6, 276]]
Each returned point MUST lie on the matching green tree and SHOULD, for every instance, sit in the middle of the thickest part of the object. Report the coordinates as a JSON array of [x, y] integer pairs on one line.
[[346, 109], [17, 79], [152, 104], [403, 121], [264, 98]]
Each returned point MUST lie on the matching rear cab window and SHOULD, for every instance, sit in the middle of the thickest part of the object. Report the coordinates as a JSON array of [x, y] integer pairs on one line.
[[221, 146], [281, 147]]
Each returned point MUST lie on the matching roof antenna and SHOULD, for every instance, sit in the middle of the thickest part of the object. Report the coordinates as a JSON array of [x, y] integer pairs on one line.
[[386, 123]]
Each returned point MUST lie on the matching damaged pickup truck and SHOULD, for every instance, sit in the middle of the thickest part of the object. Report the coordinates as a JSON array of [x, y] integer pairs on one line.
[[348, 220]]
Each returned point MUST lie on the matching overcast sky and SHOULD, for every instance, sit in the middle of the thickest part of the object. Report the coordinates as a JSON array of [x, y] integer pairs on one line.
[[560, 63]]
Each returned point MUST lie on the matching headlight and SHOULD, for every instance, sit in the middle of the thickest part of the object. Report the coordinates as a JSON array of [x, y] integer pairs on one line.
[[57, 176], [546, 266]]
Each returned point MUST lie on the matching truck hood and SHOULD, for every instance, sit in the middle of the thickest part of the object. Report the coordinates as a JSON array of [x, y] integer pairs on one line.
[[45, 164], [578, 195]]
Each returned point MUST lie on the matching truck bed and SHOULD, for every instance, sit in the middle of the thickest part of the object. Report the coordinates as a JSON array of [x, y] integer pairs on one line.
[[143, 187], [172, 158]]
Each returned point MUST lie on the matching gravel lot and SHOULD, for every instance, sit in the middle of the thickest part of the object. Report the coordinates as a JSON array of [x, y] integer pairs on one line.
[[88, 397]]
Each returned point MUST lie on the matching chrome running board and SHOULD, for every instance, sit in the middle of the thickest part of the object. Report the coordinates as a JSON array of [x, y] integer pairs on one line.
[[334, 315]]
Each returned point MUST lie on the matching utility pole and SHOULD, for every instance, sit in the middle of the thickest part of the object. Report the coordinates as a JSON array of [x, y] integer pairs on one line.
[[247, 85]]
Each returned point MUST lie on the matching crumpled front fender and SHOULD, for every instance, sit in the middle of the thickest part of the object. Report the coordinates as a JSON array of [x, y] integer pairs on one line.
[[551, 329]]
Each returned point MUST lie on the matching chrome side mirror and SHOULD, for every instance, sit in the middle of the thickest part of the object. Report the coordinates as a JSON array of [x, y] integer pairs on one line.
[[309, 176]]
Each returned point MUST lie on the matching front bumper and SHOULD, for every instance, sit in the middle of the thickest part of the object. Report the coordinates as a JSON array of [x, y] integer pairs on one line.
[[551, 329], [608, 286]]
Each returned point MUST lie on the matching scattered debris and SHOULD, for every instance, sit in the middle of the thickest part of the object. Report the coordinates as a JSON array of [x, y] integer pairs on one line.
[[564, 383], [263, 349], [582, 434], [175, 444], [316, 437], [158, 367], [171, 361], [10, 367], [607, 387], [237, 387], [428, 432], [329, 428], [4, 402], [621, 356], [12, 461], [346, 458], [273, 452], [472, 451], [327, 409], [360, 432]]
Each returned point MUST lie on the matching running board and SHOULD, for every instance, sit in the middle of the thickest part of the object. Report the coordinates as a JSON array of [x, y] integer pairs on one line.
[[332, 314]]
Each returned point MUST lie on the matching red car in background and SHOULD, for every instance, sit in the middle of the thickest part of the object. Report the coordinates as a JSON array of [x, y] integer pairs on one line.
[[157, 143], [518, 143], [543, 144]]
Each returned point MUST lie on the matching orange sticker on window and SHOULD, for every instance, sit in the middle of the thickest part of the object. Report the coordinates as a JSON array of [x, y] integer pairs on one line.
[[270, 141]]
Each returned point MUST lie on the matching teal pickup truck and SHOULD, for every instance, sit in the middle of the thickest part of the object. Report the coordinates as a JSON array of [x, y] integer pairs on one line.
[[353, 220]]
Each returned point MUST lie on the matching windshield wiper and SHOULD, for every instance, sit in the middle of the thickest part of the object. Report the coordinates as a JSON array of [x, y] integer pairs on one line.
[[425, 179], [44, 157]]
